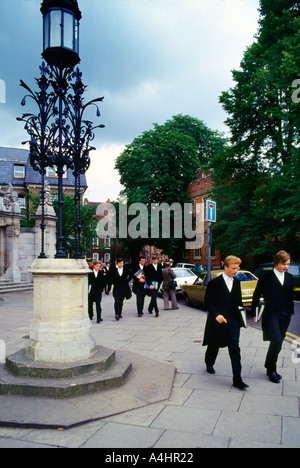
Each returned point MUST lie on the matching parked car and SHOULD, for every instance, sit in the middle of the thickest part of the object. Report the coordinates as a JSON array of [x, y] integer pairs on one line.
[[184, 277], [198, 269], [185, 265], [294, 270], [195, 294]]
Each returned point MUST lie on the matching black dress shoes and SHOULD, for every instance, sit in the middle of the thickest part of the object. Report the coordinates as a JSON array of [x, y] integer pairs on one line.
[[210, 370], [274, 377], [241, 385]]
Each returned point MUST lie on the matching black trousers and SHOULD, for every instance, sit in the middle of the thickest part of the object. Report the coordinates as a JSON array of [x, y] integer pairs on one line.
[[153, 302], [277, 328], [233, 338], [95, 298], [140, 299], [119, 301]]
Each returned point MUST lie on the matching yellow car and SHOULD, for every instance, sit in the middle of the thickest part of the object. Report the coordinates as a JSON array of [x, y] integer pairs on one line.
[[195, 294]]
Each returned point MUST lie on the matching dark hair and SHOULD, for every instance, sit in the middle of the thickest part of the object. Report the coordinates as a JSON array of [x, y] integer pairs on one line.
[[119, 260]]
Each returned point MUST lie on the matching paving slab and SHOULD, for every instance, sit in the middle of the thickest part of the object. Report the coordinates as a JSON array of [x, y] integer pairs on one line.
[[201, 411]]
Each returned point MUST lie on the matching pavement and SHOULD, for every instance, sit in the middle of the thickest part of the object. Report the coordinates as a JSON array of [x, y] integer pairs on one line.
[[203, 411]]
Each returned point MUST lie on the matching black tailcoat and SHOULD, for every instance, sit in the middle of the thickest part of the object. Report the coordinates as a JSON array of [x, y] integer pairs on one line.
[[97, 284], [120, 283], [278, 299], [153, 275], [219, 301]]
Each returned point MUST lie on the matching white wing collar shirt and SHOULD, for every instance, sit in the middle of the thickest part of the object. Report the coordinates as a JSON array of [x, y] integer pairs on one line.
[[279, 275], [229, 281]]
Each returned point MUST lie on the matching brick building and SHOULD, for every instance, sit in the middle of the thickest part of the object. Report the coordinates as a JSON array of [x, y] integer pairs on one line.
[[198, 192], [101, 249]]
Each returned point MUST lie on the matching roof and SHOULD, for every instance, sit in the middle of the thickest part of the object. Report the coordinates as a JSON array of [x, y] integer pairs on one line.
[[11, 156]]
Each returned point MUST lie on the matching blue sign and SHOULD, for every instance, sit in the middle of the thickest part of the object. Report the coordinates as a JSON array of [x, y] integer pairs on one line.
[[211, 210]]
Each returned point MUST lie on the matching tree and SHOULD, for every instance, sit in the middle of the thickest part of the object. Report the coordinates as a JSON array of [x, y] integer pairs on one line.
[[256, 184], [157, 166], [88, 223]]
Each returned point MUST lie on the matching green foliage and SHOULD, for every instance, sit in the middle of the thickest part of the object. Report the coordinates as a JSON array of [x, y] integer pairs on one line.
[[256, 185], [87, 221], [157, 166]]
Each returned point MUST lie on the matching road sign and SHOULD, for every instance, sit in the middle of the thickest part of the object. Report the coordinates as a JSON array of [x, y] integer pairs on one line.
[[211, 210]]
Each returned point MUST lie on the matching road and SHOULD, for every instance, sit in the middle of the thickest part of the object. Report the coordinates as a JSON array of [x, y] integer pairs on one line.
[[294, 329]]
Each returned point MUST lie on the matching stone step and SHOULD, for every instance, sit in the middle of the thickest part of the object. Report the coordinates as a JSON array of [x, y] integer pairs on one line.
[[65, 387], [10, 287], [22, 366], [23, 376]]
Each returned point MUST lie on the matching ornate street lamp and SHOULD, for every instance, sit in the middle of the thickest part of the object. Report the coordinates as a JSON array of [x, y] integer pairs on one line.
[[61, 51], [59, 136], [61, 32]]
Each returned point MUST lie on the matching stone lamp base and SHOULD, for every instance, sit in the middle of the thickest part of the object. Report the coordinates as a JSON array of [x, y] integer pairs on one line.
[[61, 329]]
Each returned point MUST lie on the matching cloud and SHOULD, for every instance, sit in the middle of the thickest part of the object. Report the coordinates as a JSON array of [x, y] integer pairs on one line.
[[150, 59], [103, 180]]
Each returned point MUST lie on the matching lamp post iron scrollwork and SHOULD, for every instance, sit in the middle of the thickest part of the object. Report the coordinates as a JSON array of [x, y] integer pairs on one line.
[[59, 136]]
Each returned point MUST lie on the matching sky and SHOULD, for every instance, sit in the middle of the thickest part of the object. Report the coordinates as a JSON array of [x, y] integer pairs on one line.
[[150, 59]]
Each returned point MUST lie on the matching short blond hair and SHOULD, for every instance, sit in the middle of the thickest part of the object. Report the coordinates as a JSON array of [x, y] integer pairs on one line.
[[231, 259]]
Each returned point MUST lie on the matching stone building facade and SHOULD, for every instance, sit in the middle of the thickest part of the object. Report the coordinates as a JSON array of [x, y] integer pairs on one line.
[[19, 246]]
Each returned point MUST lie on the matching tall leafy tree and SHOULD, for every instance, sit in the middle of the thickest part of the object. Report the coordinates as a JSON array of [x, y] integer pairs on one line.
[[157, 166], [256, 184]]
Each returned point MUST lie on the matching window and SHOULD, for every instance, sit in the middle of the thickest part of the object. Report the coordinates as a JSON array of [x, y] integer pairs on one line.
[[245, 276], [183, 273], [22, 202], [50, 172], [197, 253], [294, 270], [95, 257], [19, 171]]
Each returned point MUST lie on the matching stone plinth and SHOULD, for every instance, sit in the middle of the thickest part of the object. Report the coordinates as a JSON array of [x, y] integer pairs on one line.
[[61, 329]]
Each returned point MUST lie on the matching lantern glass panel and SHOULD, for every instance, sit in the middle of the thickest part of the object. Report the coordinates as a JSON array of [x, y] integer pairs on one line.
[[77, 37], [56, 27], [46, 31], [68, 31]]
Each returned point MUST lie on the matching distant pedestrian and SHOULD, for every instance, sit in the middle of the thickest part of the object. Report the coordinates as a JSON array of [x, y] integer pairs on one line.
[[277, 289], [119, 278], [169, 287], [139, 280], [154, 280], [107, 270], [96, 281], [223, 299]]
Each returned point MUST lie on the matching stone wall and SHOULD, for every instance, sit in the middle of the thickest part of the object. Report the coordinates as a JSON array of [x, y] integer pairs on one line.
[[27, 249]]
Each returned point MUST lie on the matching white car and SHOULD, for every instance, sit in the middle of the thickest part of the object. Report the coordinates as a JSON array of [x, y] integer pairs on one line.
[[184, 276], [189, 266]]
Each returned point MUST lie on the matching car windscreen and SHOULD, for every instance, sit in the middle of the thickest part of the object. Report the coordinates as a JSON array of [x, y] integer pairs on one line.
[[183, 273], [245, 277], [294, 270]]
